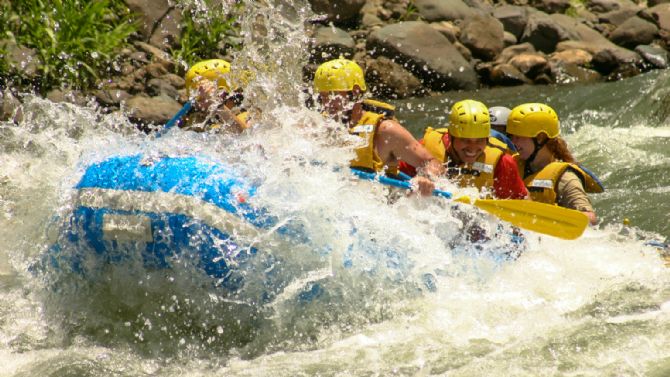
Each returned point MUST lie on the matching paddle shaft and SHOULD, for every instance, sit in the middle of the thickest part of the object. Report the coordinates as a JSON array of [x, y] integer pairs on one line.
[[171, 123], [394, 182]]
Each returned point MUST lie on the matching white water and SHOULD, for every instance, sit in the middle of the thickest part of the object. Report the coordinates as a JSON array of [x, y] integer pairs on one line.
[[593, 307]]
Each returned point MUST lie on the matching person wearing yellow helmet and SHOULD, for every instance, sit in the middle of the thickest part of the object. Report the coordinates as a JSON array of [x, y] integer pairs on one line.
[[217, 97], [549, 170], [465, 148], [340, 84]]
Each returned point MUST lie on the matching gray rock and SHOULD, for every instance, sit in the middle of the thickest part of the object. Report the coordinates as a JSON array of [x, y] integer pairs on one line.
[[509, 52], [513, 18], [341, 12], [152, 110], [159, 21], [389, 79], [330, 43], [572, 56], [157, 87], [552, 6], [22, 60], [111, 97], [654, 55], [617, 60], [174, 80], [568, 73], [658, 14], [483, 36], [531, 65], [651, 3], [68, 96], [602, 6], [543, 32], [634, 31], [617, 17], [11, 108], [168, 31], [508, 75], [157, 55], [425, 52], [448, 29], [443, 10]]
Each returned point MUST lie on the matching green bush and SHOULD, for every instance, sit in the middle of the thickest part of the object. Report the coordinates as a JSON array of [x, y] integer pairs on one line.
[[207, 35], [75, 39]]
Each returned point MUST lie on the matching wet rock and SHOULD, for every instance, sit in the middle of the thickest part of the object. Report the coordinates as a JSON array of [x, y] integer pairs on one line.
[[508, 75], [68, 96], [22, 60], [483, 36], [531, 65], [619, 61], [168, 31], [567, 73], [342, 12], [155, 70], [509, 39], [512, 51], [157, 55], [174, 80], [543, 32], [513, 18], [443, 10], [389, 79], [634, 31], [157, 87], [654, 55], [152, 110], [448, 29], [11, 108], [110, 97], [425, 52], [463, 50], [330, 43]]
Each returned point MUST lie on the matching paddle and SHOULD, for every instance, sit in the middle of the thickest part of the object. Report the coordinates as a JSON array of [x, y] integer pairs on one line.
[[538, 217], [170, 123]]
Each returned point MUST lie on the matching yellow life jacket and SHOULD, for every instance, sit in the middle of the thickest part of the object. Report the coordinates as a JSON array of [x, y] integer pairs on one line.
[[543, 185], [367, 158], [379, 107], [478, 174]]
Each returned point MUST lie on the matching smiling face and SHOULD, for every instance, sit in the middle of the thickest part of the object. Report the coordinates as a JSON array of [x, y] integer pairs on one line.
[[524, 145], [468, 150]]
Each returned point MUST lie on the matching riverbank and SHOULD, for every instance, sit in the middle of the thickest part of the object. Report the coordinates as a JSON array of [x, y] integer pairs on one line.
[[408, 48]]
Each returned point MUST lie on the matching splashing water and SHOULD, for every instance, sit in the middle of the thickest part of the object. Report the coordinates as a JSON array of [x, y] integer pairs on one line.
[[400, 291]]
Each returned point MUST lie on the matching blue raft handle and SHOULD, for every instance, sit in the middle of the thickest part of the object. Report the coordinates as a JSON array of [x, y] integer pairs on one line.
[[393, 182]]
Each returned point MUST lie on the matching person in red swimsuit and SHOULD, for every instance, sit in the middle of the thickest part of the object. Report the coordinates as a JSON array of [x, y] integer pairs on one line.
[[469, 158]]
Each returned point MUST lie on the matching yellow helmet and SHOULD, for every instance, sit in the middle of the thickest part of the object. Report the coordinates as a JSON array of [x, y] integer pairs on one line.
[[339, 75], [532, 119], [469, 119], [214, 69]]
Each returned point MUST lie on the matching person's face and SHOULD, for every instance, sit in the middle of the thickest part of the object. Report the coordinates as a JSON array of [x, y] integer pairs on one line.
[[524, 145], [468, 150], [336, 103]]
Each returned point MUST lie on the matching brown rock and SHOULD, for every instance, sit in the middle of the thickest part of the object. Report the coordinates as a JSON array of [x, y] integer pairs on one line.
[[634, 31], [531, 64], [342, 12], [508, 75], [512, 51], [389, 79], [152, 110], [572, 56], [483, 36]]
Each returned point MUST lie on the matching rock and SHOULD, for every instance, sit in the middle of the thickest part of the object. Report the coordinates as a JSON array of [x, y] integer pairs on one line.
[[425, 52], [552, 6], [443, 10], [341, 12], [11, 108], [531, 64], [463, 50], [152, 110], [68, 96], [22, 60], [617, 17], [330, 43], [654, 55], [176, 81], [483, 36], [155, 70], [159, 21], [651, 3], [602, 6], [448, 29], [508, 75], [658, 14], [389, 79], [509, 39], [157, 87], [512, 51], [573, 56], [608, 61], [543, 32], [513, 18], [157, 55], [567, 73], [634, 31], [112, 97]]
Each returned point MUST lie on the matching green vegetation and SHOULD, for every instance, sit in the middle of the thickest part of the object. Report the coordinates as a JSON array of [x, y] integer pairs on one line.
[[206, 35], [75, 39]]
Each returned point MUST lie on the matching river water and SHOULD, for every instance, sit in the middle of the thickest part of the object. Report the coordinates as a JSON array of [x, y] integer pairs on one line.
[[597, 306]]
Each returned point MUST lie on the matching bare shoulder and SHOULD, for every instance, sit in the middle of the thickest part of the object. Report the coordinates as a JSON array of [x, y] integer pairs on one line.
[[391, 126]]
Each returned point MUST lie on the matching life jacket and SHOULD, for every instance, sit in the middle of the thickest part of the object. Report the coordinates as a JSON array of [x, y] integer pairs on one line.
[[543, 185], [479, 174], [501, 140], [367, 158], [379, 107]]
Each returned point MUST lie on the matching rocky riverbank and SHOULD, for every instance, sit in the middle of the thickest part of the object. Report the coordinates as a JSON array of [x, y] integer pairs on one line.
[[408, 48]]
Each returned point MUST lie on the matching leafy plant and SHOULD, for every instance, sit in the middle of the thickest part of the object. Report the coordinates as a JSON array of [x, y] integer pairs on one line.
[[205, 37], [75, 39]]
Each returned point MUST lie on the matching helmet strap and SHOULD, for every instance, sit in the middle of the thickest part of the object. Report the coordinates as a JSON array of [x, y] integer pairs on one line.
[[527, 169]]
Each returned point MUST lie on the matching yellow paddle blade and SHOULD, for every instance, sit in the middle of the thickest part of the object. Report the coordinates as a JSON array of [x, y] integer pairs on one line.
[[543, 218]]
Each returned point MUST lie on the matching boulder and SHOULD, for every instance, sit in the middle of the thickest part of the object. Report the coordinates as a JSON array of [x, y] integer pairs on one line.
[[68, 96], [573, 56], [443, 10], [509, 39], [619, 61], [330, 43], [11, 108], [157, 87], [159, 21], [543, 32], [658, 14], [341, 12], [531, 65], [22, 60], [425, 52], [654, 56], [512, 51], [634, 31], [508, 75], [157, 55], [552, 6], [651, 3], [602, 6], [389, 79], [617, 17], [513, 18], [483, 36], [448, 29], [111, 97], [152, 110], [567, 73]]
